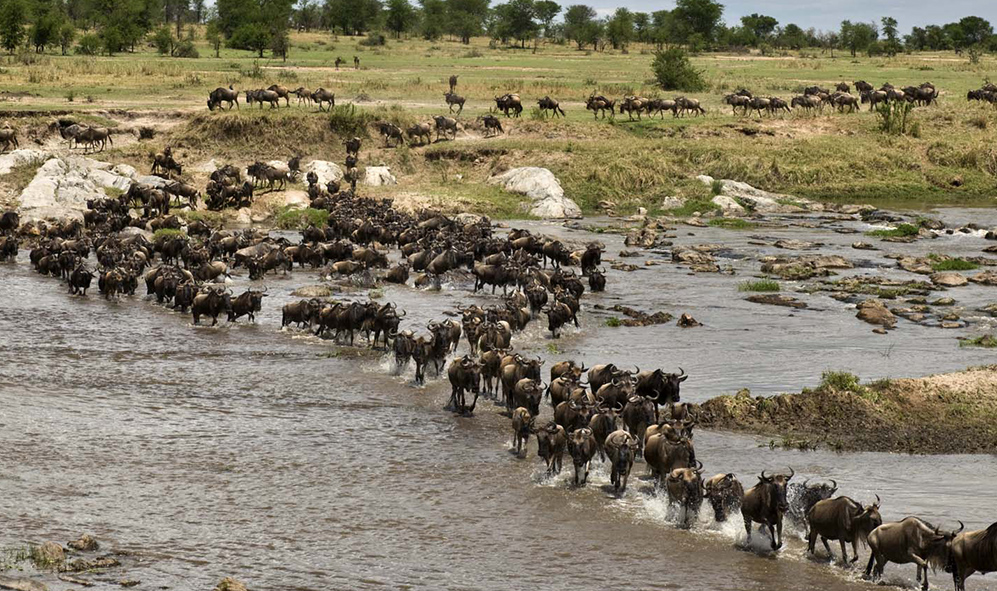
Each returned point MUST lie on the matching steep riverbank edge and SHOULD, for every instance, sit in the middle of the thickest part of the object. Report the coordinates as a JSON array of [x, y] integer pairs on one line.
[[938, 414]]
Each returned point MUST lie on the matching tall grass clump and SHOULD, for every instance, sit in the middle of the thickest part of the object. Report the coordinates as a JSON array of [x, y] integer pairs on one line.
[[894, 117], [347, 120], [762, 285], [297, 219]]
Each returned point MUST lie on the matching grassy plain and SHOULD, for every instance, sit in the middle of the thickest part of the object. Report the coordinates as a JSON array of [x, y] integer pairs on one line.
[[829, 157]]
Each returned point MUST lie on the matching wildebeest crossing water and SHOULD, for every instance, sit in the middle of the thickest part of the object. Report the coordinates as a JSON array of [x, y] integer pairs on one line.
[[274, 456]]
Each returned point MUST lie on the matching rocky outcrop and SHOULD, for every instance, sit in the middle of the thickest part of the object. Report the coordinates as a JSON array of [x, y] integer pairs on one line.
[[758, 200], [985, 278], [84, 543], [378, 176], [324, 170], [876, 312], [949, 279], [12, 160], [543, 188], [774, 299], [48, 554], [729, 206], [15, 584], [63, 185], [230, 584]]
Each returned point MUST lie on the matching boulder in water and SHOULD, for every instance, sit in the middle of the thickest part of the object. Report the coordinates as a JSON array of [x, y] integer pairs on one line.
[[230, 584], [875, 312], [949, 279]]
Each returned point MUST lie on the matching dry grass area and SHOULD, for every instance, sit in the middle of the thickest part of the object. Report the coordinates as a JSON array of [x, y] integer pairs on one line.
[[939, 414]]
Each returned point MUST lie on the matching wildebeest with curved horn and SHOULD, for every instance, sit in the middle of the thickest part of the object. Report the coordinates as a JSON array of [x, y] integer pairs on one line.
[[464, 374], [803, 496], [549, 104], [454, 100], [765, 504], [685, 489], [247, 303], [551, 443], [581, 446], [973, 551], [906, 541], [223, 95], [725, 493], [842, 519], [620, 447]]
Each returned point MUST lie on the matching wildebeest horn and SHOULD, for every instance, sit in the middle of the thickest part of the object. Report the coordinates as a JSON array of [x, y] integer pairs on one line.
[[805, 483], [877, 501], [962, 526], [636, 369], [764, 477], [834, 484], [681, 372], [404, 312], [791, 471]]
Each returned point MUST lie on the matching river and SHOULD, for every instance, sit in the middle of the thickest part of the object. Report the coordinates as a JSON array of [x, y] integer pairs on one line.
[[285, 461]]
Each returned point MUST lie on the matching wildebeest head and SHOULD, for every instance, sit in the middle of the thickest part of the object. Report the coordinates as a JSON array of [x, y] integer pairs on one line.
[[776, 485], [805, 495], [663, 388], [725, 494]]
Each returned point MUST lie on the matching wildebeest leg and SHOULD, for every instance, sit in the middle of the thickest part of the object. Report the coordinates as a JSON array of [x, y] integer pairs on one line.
[[844, 551], [776, 545], [747, 527], [872, 560]]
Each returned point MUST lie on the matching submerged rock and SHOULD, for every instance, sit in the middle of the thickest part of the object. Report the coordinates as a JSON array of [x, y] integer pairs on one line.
[[84, 543], [793, 244], [230, 584], [984, 278], [687, 321], [48, 554], [875, 312], [774, 299], [863, 246], [638, 318], [15, 584], [949, 279], [541, 186]]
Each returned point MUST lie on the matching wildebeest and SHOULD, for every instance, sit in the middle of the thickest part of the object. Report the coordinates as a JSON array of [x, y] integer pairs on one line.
[[973, 551], [90, 137], [223, 95], [906, 541], [453, 82], [522, 427], [465, 375], [737, 101], [454, 100], [9, 222], [599, 105], [247, 303], [8, 137], [842, 519], [620, 447], [509, 102], [390, 131], [664, 452], [685, 104], [211, 302], [301, 312], [352, 146], [581, 446], [725, 494], [421, 131], [261, 95], [684, 486], [803, 496], [304, 95], [493, 126], [551, 443], [549, 104], [282, 93], [765, 504], [322, 96], [79, 280], [445, 126]]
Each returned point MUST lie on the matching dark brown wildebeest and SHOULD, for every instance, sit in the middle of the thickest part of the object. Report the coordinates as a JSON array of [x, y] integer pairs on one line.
[[8, 137], [910, 540], [665, 452], [765, 503], [527, 393], [247, 304], [637, 415], [842, 519], [551, 443], [684, 486], [465, 375], [390, 131], [223, 95], [282, 93], [973, 551], [304, 95], [322, 96], [352, 146], [509, 102], [493, 126], [687, 104], [602, 423], [862, 86], [581, 446], [445, 126], [9, 222], [725, 493], [522, 427], [356, 62], [600, 104], [453, 82], [737, 101], [454, 100], [549, 104], [621, 446], [804, 496], [843, 87]]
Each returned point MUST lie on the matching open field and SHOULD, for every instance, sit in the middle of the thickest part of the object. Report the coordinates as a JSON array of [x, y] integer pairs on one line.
[[828, 157]]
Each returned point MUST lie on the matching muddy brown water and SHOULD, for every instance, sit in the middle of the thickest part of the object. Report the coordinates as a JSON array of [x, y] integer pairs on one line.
[[278, 458]]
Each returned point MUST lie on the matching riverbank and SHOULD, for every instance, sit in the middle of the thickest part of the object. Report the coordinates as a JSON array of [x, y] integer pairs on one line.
[[952, 413]]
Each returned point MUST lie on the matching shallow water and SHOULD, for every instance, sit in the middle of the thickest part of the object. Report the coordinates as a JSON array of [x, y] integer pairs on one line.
[[278, 458]]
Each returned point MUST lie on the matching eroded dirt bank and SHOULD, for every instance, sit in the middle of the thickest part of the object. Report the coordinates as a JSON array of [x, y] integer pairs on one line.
[[939, 414]]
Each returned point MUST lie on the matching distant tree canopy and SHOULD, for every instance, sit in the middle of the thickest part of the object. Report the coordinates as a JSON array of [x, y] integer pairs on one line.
[[96, 27]]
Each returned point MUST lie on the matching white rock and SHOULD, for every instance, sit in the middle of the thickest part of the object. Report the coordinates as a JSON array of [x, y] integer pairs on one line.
[[280, 165], [467, 218], [761, 201], [728, 205], [540, 185], [376, 176], [243, 216], [326, 171], [155, 181], [208, 167], [124, 170], [20, 158], [62, 186], [295, 198], [672, 202], [133, 231]]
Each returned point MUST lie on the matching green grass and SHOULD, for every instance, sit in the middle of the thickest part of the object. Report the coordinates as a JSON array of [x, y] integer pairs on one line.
[[954, 265], [695, 205], [732, 223], [840, 380], [901, 231], [212, 218], [613, 322], [289, 218], [763, 285], [987, 341], [164, 233]]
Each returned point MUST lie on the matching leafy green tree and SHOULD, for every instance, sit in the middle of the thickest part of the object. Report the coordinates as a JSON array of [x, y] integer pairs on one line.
[[214, 36], [577, 19], [975, 31], [434, 15], [13, 17], [858, 36], [793, 37], [251, 36], [67, 34], [760, 26], [620, 28], [45, 31], [354, 17], [515, 19], [642, 27], [673, 71], [466, 18], [163, 40], [700, 17], [547, 11], [89, 44], [400, 17], [891, 46]]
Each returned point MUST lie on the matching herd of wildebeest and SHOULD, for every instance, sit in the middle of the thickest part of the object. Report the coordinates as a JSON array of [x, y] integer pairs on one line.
[[604, 411]]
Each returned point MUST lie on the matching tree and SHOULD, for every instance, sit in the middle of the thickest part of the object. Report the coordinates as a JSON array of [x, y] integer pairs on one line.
[[700, 17], [620, 28], [466, 18], [308, 16], [673, 71], [13, 17], [578, 23], [975, 31], [515, 19], [163, 40], [642, 27], [45, 31], [793, 37], [214, 36], [67, 34], [198, 10], [354, 17], [892, 44], [547, 11], [252, 36], [400, 17], [760, 26], [433, 18], [858, 36]]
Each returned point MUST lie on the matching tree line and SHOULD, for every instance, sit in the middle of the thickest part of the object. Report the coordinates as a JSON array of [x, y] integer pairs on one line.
[[110, 26]]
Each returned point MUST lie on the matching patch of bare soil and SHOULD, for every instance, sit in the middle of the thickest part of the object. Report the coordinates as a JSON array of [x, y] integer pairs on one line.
[[940, 414]]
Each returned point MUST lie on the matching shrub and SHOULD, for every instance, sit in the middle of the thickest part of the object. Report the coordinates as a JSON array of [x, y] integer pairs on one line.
[[673, 71], [613, 322], [987, 341], [164, 233], [187, 49], [296, 219], [731, 223], [766, 285], [89, 45], [348, 121], [373, 40], [902, 230], [840, 380], [894, 117], [954, 265]]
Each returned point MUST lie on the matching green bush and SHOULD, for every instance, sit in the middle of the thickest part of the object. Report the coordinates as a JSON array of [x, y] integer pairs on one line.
[[297, 219], [902, 230], [840, 380], [731, 223], [986, 341], [894, 117], [673, 71], [349, 121], [373, 40], [89, 45], [760, 285], [954, 265]]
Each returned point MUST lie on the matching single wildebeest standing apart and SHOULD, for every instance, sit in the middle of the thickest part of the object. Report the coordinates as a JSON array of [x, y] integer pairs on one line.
[[973, 551], [842, 519], [765, 503], [910, 540], [453, 82]]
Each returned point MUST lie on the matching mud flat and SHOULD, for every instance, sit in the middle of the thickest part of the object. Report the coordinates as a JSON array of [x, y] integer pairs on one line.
[[940, 414]]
